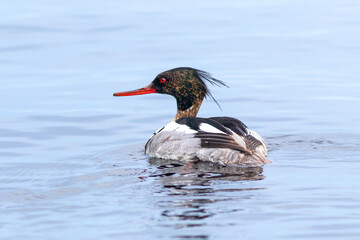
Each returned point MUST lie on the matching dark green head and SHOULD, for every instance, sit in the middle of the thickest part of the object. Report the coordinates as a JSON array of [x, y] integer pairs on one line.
[[187, 85]]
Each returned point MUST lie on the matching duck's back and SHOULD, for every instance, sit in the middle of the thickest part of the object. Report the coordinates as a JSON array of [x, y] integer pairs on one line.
[[223, 140]]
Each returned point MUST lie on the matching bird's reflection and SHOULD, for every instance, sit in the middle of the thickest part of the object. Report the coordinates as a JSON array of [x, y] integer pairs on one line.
[[179, 173], [191, 190]]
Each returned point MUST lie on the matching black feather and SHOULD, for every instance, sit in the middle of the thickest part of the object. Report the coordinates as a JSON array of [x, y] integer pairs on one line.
[[194, 123], [234, 124], [206, 77], [218, 140]]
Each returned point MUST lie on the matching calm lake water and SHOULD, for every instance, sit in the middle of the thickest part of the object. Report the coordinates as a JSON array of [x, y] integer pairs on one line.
[[72, 161]]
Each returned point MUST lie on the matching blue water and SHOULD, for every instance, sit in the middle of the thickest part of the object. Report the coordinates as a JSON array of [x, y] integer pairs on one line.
[[72, 161]]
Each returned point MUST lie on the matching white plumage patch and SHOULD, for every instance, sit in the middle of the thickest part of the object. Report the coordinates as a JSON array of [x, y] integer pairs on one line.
[[174, 126], [208, 128]]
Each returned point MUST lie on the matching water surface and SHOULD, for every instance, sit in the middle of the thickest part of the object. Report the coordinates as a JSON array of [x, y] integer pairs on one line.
[[72, 161]]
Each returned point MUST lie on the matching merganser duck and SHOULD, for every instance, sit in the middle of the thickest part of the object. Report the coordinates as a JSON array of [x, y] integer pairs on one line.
[[222, 140]]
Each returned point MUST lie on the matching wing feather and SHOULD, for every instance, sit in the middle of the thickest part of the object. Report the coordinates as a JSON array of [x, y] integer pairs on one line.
[[218, 132], [241, 129], [251, 142], [218, 140]]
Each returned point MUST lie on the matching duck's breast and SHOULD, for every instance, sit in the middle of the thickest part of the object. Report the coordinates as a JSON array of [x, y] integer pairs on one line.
[[174, 141]]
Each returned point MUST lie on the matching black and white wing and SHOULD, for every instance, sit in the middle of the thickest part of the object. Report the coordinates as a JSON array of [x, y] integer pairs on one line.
[[214, 134], [251, 139]]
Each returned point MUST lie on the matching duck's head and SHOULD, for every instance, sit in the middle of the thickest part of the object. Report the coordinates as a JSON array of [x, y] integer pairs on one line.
[[186, 84]]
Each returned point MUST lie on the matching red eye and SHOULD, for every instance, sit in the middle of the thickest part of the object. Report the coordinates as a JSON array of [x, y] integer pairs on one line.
[[162, 80]]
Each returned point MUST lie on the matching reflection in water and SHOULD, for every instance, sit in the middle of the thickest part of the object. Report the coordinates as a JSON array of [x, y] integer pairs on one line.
[[199, 173], [193, 188]]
